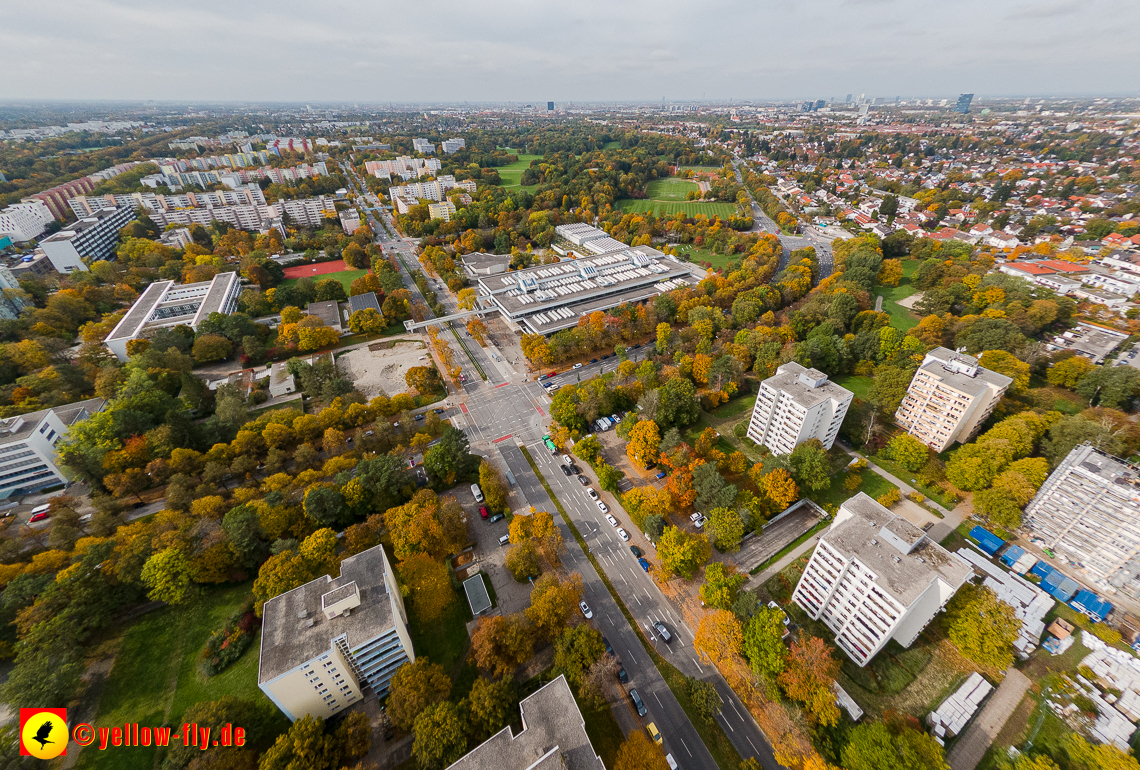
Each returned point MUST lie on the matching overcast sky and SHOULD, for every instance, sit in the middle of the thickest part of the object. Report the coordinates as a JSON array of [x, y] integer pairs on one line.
[[374, 51]]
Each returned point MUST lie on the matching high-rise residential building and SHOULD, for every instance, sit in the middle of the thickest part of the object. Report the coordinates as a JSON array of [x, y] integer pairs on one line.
[[550, 106], [949, 398], [963, 103], [874, 577], [25, 221], [795, 405], [93, 237], [553, 736], [164, 304], [27, 446], [442, 210], [423, 145], [1088, 511], [451, 146], [349, 220], [406, 196], [328, 642]]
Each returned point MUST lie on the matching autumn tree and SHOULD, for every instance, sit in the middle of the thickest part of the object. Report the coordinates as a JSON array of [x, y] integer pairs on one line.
[[877, 746], [211, 347], [429, 582], [644, 440], [440, 738], [639, 753], [780, 489], [367, 321], [414, 687], [501, 644], [890, 272], [643, 502], [490, 705], [553, 603], [1067, 373], [908, 452], [681, 553], [727, 528], [1085, 756], [522, 560], [808, 675], [588, 449], [425, 380], [494, 487], [719, 636], [167, 576], [721, 585], [982, 627]]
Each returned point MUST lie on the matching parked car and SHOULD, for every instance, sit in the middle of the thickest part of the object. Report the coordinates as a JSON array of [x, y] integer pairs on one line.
[[593, 495], [613, 522], [583, 480], [484, 512], [593, 360], [565, 470], [543, 376], [603, 507], [664, 632], [623, 534], [695, 516], [622, 676], [586, 610], [644, 564], [39, 516], [477, 493], [700, 522], [653, 733], [566, 459], [607, 645], [575, 469], [496, 518], [671, 762], [635, 551], [605, 356], [504, 539], [438, 411], [577, 366], [660, 475], [615, 418], [419, 417], [637, 704]]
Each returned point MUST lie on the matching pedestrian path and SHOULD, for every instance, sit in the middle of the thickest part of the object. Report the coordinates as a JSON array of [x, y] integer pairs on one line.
[[973, 743]]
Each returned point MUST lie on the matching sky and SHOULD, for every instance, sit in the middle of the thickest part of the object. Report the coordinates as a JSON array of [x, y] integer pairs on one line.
[[379, 51]]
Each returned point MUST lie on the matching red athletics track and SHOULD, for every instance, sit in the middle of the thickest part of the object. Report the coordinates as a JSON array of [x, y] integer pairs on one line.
[[324, 268]]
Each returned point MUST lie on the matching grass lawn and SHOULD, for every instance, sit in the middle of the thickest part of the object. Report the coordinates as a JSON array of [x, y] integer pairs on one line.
[[873, 484], [701, 169], [733, 407], [671, 189], [156, 676], [344, 277], [511, 174], [698, 255], [934, 493], [443, 641], [669, 208], [860, 386]]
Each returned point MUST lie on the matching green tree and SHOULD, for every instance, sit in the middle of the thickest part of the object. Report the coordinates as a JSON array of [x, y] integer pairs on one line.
[[983, 628], [167, 576], [704, 697], [727, 528], [677, 403], [1102, 757], [575, 650], [764, 643], [681, 553], [490, 705], [440, 739], [721, 586], [494, 487], [588, 449], [609, 478], [811, 465], [874, 746], [908, 452], [326, 506], [890, 386], [415, 686], [212, 347], [450, 460], [713, 491]]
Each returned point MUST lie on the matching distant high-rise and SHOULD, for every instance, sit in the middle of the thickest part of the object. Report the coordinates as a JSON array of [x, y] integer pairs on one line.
[[550, 106], [963, 105], [848, 99], [820, 103]]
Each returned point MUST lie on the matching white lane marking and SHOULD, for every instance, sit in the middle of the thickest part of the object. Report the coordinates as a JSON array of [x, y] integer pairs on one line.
[[753, 745], [730, 727], [659, 703], [698, 665], [630, 654], [682, 740]]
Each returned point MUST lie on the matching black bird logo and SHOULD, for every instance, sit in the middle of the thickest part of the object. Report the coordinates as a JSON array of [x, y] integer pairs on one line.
[[41, 736]]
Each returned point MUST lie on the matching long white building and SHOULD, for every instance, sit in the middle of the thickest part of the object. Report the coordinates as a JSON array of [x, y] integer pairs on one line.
[[874, 577], [25, 221], [92, 238], [27, 446], [795, 405], [406, 196]]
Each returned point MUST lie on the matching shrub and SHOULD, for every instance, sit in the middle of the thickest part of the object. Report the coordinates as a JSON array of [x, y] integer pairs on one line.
[[887, 499], [917, 497], [228, 643]]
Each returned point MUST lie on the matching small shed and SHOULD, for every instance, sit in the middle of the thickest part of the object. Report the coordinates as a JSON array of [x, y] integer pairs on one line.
[[477, 597], [987, 541]]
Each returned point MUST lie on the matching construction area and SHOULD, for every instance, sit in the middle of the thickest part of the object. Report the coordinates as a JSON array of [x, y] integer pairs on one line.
[[380, 367]]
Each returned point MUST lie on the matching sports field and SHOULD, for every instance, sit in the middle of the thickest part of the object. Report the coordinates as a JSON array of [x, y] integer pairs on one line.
[[511, 174], [668, 208], [345, 277], [671, 189], [311, 271]]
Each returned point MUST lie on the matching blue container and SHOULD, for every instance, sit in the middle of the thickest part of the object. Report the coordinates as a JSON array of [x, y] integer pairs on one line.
[[1011, 555], [1042, 570], [1092, 605], [987, 541]]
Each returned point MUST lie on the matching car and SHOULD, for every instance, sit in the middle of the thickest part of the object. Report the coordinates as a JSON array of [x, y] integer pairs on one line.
[[593, 495], [566, 459], [637, 704], [484, 512], [575, 469], [577, 366], [603, 507], [695, 516], [664, 632], [565, 470], [496, 518], [437, 411], [419, 417], [552, 374], [700, 522], [660, 475], [607, 645], [583, 480], [671, 762], [547, 384], [653, 733], [605, 356], [39, 516], [635, 551], [543, 376], [613, 522], [615, 418], [593, 360], [586, 610], [623, 534], [644, 564], [505, 539], [622, 676], [787, 620]]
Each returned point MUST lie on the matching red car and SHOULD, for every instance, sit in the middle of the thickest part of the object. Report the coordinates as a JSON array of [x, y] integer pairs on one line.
[[552, 374], [39, 516], [484, 512]]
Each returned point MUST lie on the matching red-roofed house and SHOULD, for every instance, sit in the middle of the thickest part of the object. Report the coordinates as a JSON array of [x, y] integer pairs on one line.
[[1002, 240], [1064, 267], [1025, 269]]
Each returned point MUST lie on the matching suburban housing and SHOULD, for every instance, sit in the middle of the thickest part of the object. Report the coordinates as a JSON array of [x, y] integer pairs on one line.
[[795, 405]]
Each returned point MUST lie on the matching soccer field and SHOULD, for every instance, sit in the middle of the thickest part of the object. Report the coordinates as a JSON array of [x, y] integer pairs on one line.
[[668, 208], [345, 277], [671, 189]]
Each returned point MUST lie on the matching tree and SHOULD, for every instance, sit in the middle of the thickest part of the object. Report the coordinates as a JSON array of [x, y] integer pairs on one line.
[[575, 650], [522, 561], [811, 465], [780, 489], [1067, 373], [212, 347], [764, 643], [720, 586], [719, 636], [367, 321], [681, 553], [325, 505], [450, 459], [424, 379], [712, 490], [642, 502], [727, 528], [501, 644], [429, 582], [1101, 757], [553, 603], [874, 746], [494, 487], [588, 449], [644, 441], [704, 697], [908, 452], [807, 677], [890, 386], [1006, 363], [306, 744], [440, 738], [414, 687], [609, 478], [490, 705], [639, 753], [167, 576], [983, 628], [890, 272], [677, 403]]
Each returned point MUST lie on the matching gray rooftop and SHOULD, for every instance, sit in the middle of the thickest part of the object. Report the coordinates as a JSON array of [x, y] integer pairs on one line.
[[807, 387], [365, 301], [18, 428], [328, 312], [872, 534], [954, 369], [481, 262], [477, 597], [553, 736], [295, 629]]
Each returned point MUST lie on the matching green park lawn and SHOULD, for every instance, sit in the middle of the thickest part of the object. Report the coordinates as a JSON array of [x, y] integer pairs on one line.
[[901, 318], [671, 189], [344, 277], [696, 254], [511, 174], [860, 386], [669, 208]]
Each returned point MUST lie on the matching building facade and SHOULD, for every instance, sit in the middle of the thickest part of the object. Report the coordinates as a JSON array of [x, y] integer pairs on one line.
[[949, 398], [25, 221], [325, 644], [92, 238], [796, 405], [27, 447], [874, 577], [1088, 511]]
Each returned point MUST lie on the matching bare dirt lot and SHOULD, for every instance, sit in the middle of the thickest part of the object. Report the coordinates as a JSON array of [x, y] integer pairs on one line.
[[380, 367]]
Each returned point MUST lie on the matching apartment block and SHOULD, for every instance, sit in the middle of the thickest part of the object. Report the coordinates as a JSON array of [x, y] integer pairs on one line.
[[949, 398], [406, 196], [164, 304], [325, 644], [25, 221], [874, 577], [423, 145], [1088, 511], [796, 405], [451, 146], [404, 166], [441, 210], [349, 220], [93, 238], [27, 447]]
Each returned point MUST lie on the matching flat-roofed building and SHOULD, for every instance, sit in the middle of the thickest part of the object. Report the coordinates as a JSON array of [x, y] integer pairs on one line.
[[349, 220], [325, 644], [366, 301], [553, 737], [795, 405], [328, 311], [92, 238], [25, 221], [874, 577], [442, 210], [948, 399], [164, 304], [27, 446]]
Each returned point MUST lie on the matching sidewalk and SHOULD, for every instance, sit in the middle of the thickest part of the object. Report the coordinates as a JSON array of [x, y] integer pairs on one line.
[[756, 581], [973, 743]]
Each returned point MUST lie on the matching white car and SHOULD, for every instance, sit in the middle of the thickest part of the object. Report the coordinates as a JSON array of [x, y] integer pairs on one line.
[[585, 610], [593, 495], [700, 522], [577, 366], [623, 534], [613, 522], [695, 516], [603, 507], [775, 606], [566, 459]]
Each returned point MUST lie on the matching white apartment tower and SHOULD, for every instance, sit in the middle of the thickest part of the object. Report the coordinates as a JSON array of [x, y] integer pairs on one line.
[[949, 398], [1088, 510], [27, 446], [795, 405], [874, 577]]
